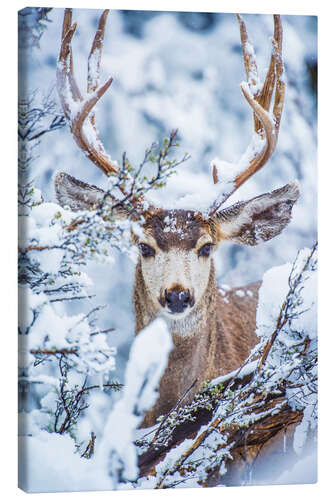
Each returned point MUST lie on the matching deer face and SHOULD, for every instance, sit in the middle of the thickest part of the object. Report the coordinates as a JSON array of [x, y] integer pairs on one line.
[[176, 247], [175, 257]]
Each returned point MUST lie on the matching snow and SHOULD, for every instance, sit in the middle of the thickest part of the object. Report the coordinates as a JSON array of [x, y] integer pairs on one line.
[[49, 457], [273, 291], [49, 262], [225, 287], [94, 68], [28, 302], [89, 132], [226, 172], [239, 373], [301, 432], [302, 325], [307, 321], [137, 229], [249, 50], [302, 472], [147, 362], [171, 225], [54, 455], [254, 149], [271, 296]]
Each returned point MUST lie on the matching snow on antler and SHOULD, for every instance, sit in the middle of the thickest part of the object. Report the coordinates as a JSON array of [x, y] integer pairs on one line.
[[77, 108], [266, 124]]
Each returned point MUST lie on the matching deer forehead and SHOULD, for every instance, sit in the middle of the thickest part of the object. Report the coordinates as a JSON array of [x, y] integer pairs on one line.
[[181, 229]]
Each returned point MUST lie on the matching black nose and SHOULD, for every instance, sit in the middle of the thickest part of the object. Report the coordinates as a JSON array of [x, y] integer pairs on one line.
[[177, 301]]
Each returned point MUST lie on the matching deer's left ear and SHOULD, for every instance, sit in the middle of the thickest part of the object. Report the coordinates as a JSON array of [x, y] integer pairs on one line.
[[260, 219]]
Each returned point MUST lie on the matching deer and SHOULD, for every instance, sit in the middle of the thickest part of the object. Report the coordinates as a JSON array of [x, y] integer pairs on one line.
[[213, 331]]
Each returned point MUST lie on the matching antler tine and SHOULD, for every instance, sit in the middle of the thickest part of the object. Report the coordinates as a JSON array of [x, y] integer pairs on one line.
[[268, 87], [87, 139], [67, 24], [65, 82], [280, 84], [266, 126], [94, 59], [77, 108], [250, 63]]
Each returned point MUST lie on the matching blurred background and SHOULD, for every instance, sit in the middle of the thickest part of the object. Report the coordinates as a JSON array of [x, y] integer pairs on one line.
[[180, 70]]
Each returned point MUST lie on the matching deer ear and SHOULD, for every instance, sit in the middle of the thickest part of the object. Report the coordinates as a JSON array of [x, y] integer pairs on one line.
[[259, 219], [78, 195], [75, 194]]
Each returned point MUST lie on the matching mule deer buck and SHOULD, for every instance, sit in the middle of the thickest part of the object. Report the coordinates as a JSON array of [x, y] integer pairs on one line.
[[175, 278]]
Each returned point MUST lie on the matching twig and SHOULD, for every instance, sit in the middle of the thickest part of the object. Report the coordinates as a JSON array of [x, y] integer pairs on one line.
[[72, 298], [89, 451], [54, 351], [108, 330], [172, 409]]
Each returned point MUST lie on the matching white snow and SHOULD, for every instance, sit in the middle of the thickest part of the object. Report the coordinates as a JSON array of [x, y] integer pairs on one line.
[[239, 373], [302, 472], [272, 293], [49, 463], [146, 364]]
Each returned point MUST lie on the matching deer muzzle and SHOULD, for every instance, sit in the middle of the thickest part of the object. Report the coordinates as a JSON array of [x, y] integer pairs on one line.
[[177, 299]]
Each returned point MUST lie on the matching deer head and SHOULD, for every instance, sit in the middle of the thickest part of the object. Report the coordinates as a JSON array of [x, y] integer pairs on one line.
[[175, 267]]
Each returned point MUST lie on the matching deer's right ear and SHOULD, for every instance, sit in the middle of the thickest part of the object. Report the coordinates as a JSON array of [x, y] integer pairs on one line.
[[75, 194], [78, 195], [259, 219]]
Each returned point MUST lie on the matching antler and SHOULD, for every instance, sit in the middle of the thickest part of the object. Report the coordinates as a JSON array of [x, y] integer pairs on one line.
[[78, 109], [266, 125]]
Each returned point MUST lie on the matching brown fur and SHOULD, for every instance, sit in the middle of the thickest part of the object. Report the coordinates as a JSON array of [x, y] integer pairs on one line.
[[190, 226]]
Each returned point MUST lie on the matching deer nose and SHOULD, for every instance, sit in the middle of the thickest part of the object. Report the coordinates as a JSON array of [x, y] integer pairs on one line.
[[177, 301]]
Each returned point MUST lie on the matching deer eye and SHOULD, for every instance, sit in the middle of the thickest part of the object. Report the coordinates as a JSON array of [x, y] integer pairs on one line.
[[146, 250], [205, 250]]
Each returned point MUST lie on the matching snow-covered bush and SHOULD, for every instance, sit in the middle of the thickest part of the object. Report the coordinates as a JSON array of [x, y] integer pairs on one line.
[[114, 464], [62, 356]]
